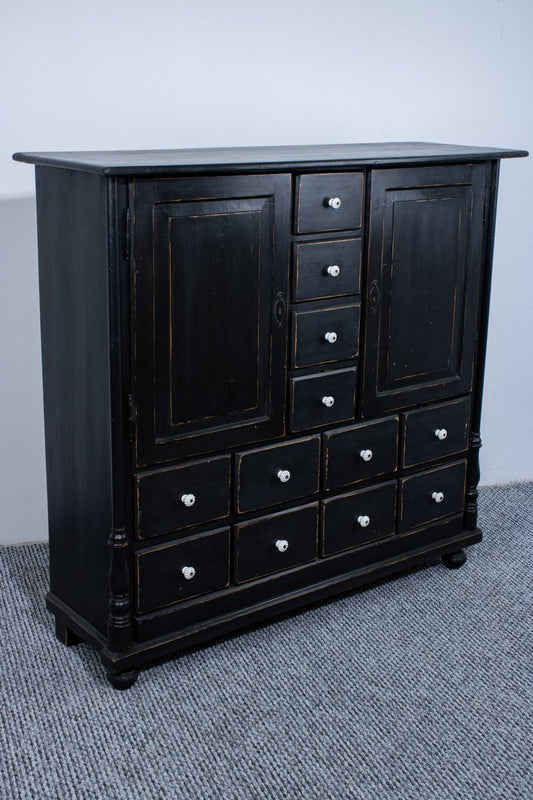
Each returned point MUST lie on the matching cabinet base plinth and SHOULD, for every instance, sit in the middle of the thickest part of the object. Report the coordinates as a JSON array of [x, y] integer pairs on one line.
[[65, 635]]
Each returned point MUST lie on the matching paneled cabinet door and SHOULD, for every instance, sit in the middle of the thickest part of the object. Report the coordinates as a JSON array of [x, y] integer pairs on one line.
[[210, 277], [425, 259]]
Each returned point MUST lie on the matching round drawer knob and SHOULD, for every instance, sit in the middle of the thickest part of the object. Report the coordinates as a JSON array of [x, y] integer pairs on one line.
[[330, 337], [282, 545], [284, 475], [333, 270], [188, 500], [328, 401], [188, 573], [438, 497], [363, 521], [334, 202], [366, 455], [441, 433]]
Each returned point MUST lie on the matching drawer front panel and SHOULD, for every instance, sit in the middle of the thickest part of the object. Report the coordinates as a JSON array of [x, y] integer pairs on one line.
[[325, 335], [352, 520], [277, 542], [178, 497], [359, 452], [327, 269], [431, 495], [434, 432], [317, 202], [277, 474], [174, 572], [311, 397]]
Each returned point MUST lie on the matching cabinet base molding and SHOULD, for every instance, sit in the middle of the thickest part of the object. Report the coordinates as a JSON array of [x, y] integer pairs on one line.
[[122, 668]]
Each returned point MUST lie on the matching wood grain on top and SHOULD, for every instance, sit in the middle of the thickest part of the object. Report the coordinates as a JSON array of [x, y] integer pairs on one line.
[[258, 159]]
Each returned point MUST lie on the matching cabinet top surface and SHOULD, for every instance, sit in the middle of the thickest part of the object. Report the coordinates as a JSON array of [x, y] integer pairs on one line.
[[226, 159]]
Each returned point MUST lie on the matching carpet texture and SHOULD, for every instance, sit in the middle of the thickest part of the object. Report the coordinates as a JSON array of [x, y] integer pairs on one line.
[[420, 687]]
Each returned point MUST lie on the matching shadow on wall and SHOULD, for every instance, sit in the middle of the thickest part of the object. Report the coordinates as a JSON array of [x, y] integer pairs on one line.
[[23, 515]]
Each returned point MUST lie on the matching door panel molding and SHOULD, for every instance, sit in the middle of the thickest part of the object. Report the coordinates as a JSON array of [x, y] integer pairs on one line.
[[421, 313], [210, 260]]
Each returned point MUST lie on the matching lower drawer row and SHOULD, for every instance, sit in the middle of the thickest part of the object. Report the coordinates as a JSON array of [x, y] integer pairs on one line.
[[190, 567]]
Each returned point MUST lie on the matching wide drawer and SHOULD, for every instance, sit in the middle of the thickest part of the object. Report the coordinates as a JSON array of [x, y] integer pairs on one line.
[[277, 542], [323, 399], [177, 497], [359, 452], [323, 335], [435, 432], [277, 474], [432, 495], [173, 572], [326, 269], [351, 520], [329, 202]]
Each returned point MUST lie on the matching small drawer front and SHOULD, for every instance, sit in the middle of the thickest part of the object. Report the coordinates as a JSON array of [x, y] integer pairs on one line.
[[360, 452], [329, 202], [352, 520], [327, 269], [323, 399], [277, 542], [277, 474], [429, 496], [174, 572], [435, 432], [178, 497], [325, 335]]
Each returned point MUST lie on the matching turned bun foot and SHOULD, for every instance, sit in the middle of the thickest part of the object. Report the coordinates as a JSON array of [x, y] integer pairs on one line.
[[123, 680], [454, 560]]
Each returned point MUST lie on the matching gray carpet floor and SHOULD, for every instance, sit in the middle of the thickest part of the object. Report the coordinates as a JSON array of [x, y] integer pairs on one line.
[[419, 687]]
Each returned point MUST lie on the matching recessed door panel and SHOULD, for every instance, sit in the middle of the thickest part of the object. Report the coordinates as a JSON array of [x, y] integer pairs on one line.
[[211, 271], [424, 269]]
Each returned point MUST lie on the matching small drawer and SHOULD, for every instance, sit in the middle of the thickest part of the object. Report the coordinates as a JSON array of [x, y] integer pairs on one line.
[[277, 474], [429, 496], [174, 572], [352, 520], [325, 335], [360, 452], [322, 399], [326, 269], [329, 202], [178, 497], [277, 542], [435, 432]]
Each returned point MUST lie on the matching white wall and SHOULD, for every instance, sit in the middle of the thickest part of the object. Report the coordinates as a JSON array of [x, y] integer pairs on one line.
[[169, 73]]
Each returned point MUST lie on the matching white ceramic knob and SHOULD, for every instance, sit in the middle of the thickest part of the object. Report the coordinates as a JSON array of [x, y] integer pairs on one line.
[[441, 433], [188, 500], [188, 573], [284, 475], [333, 270], [330, 337], [363, 521], [438, 497], [328, 401], [366, 455], [334, 202], [282, 545]]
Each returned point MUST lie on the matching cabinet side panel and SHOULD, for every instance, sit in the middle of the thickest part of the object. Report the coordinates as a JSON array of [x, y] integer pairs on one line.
[[73, 279]]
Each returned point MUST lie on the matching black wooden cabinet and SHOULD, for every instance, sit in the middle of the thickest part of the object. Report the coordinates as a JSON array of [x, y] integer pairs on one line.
[[262, 371]]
